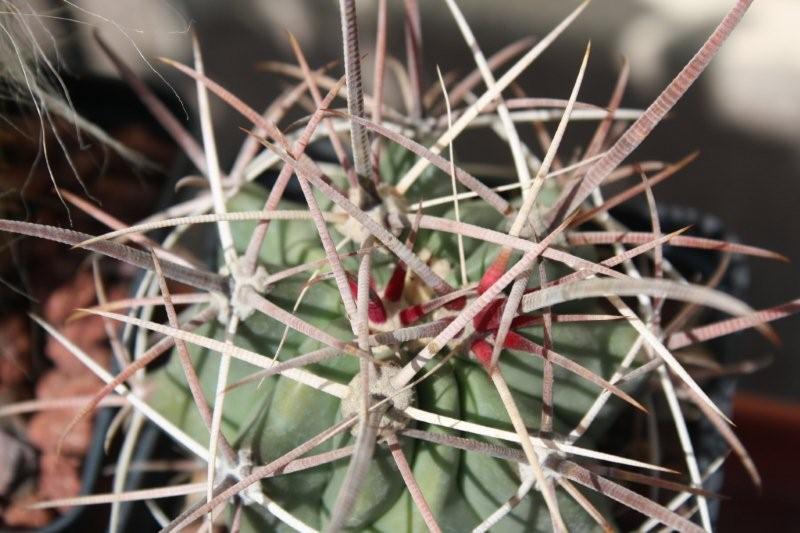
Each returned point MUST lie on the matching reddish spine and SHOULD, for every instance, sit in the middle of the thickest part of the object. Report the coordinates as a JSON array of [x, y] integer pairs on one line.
[[495, 270], [482, 351], [457, 304], [488, 316], [409, 315], [394, 289], [376, 312], [515, 341]]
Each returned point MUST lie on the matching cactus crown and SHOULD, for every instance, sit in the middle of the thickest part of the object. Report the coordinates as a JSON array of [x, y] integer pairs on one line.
[[407, 346]]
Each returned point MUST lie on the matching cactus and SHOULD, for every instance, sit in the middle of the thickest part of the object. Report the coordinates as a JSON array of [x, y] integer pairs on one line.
[[405, 347]]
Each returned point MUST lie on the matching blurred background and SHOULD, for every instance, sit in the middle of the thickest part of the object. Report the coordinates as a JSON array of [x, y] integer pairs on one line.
[[743, 115]]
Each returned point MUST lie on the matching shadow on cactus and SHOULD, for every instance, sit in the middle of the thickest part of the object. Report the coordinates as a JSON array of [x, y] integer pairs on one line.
[[410, 347]]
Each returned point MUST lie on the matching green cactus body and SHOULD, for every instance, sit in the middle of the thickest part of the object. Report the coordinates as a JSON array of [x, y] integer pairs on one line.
[[272, 418]]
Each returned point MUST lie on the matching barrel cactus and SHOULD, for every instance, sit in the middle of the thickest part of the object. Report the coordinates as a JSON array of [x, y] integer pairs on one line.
[[271, 418], [402, 345]]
